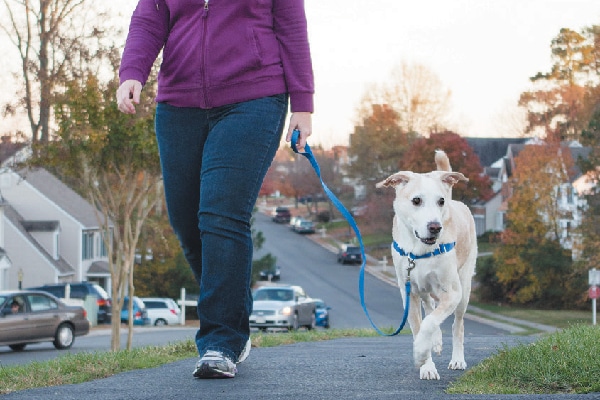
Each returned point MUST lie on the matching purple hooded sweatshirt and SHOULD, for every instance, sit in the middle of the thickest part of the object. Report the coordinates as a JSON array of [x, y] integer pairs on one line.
[[218, 52]]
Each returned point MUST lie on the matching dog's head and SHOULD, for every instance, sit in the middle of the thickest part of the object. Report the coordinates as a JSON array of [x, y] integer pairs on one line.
[[422, 201]]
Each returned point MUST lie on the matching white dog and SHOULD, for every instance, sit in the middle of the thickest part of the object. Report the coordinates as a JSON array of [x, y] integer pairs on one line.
[[435, 246]]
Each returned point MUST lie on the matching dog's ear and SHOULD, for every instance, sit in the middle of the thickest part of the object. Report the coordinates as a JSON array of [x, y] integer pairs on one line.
[[453, 177], [394, 180]]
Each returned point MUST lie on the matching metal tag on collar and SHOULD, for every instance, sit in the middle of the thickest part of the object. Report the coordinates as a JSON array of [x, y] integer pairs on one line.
[[411, 265]]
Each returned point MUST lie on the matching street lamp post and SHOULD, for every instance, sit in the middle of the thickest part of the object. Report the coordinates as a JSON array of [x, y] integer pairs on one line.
[[594, 293], [20, 278]]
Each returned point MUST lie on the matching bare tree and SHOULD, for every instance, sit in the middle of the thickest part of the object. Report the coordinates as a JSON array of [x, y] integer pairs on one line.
[[54, 38], [416, 94], [112, 159]]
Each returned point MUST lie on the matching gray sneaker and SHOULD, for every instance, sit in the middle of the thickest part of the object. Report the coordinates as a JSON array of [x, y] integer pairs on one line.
[[214, 365], [245, 352]]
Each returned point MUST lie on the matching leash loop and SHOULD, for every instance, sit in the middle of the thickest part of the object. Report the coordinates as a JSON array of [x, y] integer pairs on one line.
[[338, 204]]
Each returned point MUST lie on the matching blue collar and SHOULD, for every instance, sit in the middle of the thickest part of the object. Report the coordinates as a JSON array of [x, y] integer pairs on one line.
[[441, 249]]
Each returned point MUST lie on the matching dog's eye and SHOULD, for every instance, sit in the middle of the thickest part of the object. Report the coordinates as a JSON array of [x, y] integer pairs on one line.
[[441, 202], [417, 201]]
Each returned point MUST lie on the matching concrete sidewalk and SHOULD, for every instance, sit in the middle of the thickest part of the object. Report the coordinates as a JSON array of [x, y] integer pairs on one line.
[[352, 368]]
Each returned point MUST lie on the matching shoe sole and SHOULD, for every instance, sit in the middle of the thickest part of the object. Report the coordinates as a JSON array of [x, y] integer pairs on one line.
[[245, 352], [206, 372]]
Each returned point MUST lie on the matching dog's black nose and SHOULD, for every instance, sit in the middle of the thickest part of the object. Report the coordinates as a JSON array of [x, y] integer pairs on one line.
[[434, 228]]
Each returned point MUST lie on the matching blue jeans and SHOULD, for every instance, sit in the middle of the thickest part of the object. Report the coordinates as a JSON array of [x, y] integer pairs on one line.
[[213, 163]]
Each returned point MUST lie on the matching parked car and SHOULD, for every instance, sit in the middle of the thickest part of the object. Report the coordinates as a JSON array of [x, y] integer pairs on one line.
[[282, 307], [80, 290], [322, 310], [140, 314], [349, 255], [281, 215], [305, 226], [270, 274], [30, 316], [162, 311]]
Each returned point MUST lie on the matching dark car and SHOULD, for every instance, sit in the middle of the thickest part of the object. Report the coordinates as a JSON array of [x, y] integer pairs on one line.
[[270, 274], [349, 255], [281, 215], [304, 226], [29, 316], [80, 290]]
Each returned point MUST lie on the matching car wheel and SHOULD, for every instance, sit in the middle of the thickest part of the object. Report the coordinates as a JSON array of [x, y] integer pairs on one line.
[[17, 347], [294, 326], [160, 322], [313, 322], [64, 337]]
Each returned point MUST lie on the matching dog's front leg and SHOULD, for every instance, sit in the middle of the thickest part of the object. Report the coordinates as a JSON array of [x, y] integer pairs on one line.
[[424, 341], [436, 339]]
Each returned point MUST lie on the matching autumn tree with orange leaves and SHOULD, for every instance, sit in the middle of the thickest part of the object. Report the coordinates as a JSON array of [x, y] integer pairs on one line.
[[557, 108], [532, 266]]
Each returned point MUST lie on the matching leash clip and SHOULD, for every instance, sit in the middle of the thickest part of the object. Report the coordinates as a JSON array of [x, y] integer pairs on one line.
[[411, 266]]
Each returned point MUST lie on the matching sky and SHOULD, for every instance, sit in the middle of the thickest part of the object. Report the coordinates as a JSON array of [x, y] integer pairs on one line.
[[483, 51]]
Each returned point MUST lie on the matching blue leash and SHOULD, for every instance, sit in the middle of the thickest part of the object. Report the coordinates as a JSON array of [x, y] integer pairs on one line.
[[338, 204]]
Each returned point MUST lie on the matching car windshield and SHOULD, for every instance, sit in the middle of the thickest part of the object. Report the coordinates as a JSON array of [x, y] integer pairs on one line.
[[353, 249], [274, 294], [2, 299]]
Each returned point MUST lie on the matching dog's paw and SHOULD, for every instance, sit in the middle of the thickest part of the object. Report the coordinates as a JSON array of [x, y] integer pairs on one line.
[[437, 341], [428, 371], [457, 364], [421, 349]]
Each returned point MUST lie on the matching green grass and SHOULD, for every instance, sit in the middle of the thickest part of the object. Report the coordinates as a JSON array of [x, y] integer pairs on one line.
[[562, 362]]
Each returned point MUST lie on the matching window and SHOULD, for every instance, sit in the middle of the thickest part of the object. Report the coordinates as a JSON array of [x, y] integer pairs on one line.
[[41, 303], [87, 246], [103, 248], [155, 304]]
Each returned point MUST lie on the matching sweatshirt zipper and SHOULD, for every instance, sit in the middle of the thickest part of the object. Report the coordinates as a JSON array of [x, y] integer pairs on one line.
[[203, 53]]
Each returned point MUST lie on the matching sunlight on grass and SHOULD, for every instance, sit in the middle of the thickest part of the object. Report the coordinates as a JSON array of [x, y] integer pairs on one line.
[[563, 362]]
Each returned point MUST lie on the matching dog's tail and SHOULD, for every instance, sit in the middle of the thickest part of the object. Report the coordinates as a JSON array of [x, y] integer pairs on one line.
[[441, 161]]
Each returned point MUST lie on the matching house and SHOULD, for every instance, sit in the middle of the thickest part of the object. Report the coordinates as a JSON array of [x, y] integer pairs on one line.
[[50, 233], [490, 214], [493, 154]]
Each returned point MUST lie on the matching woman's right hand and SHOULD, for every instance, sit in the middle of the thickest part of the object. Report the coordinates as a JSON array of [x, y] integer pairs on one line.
[[128, 94]]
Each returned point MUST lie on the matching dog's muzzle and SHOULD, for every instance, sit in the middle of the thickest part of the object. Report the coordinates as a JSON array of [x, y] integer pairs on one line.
[[434, 229]]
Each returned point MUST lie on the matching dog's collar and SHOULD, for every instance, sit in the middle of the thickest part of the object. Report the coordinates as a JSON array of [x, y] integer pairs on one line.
[[441, 249]]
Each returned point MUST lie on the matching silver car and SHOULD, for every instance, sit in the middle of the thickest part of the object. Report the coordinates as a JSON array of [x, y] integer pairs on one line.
[[28, 316], [282, 307]]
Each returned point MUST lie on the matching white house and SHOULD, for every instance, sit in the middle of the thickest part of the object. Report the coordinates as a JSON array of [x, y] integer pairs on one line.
[[51, 233], [5, 262]]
